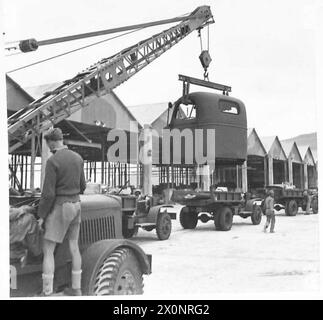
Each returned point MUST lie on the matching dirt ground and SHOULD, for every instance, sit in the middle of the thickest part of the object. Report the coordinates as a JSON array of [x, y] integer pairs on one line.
[[242, 260]]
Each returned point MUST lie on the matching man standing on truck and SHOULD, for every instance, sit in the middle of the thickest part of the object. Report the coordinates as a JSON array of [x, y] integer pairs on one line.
[[60, 210], [270, 212]]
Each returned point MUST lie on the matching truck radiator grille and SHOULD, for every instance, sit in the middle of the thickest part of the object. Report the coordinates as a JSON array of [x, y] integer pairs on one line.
[[93, 230]]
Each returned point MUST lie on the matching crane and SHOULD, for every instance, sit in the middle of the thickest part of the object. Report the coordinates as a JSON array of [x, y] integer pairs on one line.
[[99, 79]]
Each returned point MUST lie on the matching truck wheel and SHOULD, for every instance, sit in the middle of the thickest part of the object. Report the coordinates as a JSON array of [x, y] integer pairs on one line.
[[314, 206], [291, 208], [129, 233], [164, 226], [256, 215], [303, 205], [225, 219], [119, 274], [188, 218], [217, 220]]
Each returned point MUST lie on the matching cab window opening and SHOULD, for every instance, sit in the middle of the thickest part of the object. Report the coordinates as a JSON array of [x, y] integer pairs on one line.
[[186, 112], [229, 107]]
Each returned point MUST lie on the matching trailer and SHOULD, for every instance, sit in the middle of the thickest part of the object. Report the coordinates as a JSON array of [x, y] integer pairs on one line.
[[289, 199], [218, 206]]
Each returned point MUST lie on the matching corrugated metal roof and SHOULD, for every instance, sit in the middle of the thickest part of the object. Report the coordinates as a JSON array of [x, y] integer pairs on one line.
[[287, 146], [38, 91], [148, 113], [303, 150], [267, 142], [249, 130]]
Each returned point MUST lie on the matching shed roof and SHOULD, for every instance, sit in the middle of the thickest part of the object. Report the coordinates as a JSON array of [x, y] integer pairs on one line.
[[103, 108], [307, 155], [255, 146], [17, 97], [292, 151], [148, 113], [273, 147]]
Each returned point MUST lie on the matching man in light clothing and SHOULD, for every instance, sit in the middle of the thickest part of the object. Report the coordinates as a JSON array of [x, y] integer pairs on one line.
[[60, 209], [270, 212]]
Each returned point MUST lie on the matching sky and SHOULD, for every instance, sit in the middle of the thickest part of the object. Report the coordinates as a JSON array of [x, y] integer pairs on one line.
[[266, 50]]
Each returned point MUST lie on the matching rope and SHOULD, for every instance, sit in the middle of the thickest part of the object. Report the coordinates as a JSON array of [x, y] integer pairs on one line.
[[71, 51]]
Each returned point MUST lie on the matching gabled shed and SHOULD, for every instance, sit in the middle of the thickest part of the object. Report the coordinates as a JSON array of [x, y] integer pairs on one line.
[[256, 161], [276, 160], [295, 163]]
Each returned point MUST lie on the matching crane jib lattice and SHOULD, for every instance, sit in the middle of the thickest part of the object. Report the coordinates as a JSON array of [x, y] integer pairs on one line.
[[99, 79]]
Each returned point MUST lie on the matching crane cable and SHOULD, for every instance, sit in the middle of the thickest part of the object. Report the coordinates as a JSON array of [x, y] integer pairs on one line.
[[74, 50], [206, 74]]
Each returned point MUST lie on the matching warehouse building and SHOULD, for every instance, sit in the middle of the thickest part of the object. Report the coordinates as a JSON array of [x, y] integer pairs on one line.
[[269, 160]]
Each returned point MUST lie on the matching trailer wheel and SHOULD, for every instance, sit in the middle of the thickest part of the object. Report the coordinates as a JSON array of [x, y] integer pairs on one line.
[[256, 215], [164, 226], [188, 218], [291, 208], [119, 274], [304, 206], [314, 205], [217, 220], [225, 217]]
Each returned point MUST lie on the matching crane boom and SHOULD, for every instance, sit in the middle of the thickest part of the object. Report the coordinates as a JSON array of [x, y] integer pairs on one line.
[[97, 80]]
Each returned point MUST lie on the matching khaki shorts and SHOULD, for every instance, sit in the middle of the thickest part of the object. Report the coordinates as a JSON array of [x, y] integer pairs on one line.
[[63, 221]]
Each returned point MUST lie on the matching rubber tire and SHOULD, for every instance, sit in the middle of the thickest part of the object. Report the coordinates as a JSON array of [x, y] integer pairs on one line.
[[163, 226], [120, 264], [225, 219], [256, 215], [129, 233], [304, 206], [217, 220], [188, 218], [314, 206], [291, 208]]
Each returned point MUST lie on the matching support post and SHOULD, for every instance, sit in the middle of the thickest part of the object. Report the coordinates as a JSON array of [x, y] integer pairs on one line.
[[270, 170], [305, 180], [244, 177], [290, 171], [147, 161], [205, 177]]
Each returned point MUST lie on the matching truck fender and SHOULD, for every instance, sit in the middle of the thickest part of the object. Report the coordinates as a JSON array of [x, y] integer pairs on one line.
[[251, 203], [94, 255], [154, 212]]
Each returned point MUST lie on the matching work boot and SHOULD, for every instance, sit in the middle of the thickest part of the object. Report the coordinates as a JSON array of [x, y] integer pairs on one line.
[[272, 231], [72, 292]]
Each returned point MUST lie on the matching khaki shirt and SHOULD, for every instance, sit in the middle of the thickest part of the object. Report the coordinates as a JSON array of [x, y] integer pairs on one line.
[[269, 205]]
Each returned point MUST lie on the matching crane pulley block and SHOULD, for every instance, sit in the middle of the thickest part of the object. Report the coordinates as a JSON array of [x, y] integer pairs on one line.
[[205, 59]]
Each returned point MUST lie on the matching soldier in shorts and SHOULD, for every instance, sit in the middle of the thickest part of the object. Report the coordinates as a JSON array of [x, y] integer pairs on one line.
[[60, 209]]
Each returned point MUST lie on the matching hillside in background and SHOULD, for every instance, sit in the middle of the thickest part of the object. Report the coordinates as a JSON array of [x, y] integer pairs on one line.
[[304, 140], [309, 139]]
